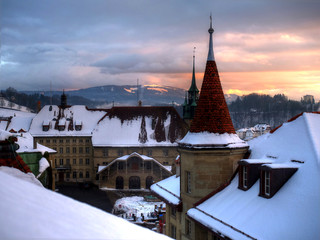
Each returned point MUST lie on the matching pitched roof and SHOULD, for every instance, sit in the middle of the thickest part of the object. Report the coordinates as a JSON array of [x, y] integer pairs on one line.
[[168, 190], [136, 126], [67, 117], [212, 113], [32, 209], [294, 211], [126, 157]]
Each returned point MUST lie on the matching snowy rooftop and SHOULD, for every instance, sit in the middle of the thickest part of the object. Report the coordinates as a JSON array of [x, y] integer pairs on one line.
[[68, 118], [294, 211], [168, 189], [18, 120], [25, 142], [136, 126], [43, 214], [207, 139]]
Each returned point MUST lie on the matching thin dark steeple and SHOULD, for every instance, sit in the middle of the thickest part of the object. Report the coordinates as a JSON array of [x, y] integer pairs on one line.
[[192, 97]]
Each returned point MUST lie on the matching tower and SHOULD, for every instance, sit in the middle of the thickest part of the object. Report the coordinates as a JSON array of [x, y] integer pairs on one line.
[[191, 98], [210, 150], [63, 100]]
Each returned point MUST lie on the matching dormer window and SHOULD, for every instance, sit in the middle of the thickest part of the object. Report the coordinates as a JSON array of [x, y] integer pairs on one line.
[[245, 176], [45, 126], [78, 126], [267, 183], [62, 124], [249, 172], [273, 177]]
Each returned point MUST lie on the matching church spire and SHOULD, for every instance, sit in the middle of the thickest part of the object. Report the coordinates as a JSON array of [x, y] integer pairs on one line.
[[193, 86], [212, 114], [210, 53], [193, 95]]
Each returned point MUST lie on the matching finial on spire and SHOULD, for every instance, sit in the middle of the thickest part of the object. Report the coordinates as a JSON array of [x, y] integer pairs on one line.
[[210, 53]]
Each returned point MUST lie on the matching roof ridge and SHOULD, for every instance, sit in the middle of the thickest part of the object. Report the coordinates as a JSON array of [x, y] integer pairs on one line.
[[311, 135]]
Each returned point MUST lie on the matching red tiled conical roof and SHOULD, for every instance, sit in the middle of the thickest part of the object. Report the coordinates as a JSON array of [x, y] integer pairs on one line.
[[212, 113]]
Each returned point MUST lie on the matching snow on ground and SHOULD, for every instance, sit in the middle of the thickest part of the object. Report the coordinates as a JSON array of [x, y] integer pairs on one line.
[[32, 212], [29, 177], [136, 205]]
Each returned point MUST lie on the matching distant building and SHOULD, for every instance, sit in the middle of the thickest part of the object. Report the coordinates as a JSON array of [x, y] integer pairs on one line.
[[68, 130], [308, 99], [138, 143], [132, 171], [88, 138], [252, 132]]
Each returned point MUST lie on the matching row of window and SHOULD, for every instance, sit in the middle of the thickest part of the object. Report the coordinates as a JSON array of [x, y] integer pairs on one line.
[[74, 140], [76, 175], [75, 150], [105, 152], [74, 161]]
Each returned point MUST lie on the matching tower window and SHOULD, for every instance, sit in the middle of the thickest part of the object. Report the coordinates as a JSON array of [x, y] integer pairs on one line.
[[188, 227], [188, 182]]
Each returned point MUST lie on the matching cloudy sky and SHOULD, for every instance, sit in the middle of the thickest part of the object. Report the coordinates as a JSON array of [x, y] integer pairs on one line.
[[264, 46]]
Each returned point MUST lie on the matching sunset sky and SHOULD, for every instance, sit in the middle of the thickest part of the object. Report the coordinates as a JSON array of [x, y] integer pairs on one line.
[[263, 46]]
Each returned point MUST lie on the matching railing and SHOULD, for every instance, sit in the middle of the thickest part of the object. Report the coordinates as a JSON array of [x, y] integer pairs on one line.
[[63, 167]]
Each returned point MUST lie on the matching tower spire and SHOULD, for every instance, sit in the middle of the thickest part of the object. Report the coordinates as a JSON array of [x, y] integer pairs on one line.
[[210, 53], [193, 95], [193, 86], [212, 114]]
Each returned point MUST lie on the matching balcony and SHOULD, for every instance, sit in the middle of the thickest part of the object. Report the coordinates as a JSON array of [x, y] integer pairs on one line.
[[63, 167]]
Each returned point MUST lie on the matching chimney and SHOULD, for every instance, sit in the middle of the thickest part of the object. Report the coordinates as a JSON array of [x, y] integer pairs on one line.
[[178, 170]]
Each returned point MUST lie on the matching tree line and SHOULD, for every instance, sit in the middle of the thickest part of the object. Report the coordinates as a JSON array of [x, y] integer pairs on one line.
[[266, 103], [31, 101]]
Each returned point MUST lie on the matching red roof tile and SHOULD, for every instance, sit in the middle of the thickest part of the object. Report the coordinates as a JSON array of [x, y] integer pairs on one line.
[[212, 113]]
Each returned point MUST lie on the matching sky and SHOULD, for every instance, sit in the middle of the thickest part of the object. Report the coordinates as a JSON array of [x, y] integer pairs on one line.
[[262, 46]]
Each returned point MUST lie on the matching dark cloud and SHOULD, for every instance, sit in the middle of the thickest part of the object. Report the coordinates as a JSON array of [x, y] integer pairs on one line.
[[82, 43]]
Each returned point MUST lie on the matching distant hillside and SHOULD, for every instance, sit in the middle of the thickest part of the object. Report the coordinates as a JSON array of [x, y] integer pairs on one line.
[[5, 104], [130, 94]]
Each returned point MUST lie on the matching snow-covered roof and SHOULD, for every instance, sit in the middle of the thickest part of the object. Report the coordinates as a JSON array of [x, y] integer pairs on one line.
[[67, 117], [5, 135], [25, 142], [44, 214], [16, 120], [139, 126], [126, 157], [168, 189], [207, 139], [294, 211]]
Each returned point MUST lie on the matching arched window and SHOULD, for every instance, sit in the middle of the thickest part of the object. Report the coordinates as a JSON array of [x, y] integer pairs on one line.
[[134, 182], [149, 182], [119, 182]]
